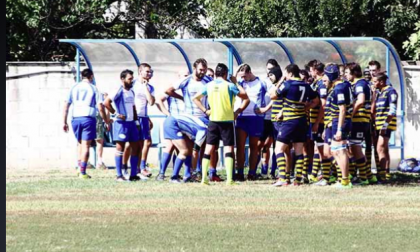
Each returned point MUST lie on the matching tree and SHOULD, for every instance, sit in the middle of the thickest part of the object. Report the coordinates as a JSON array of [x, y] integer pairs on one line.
[[412, 45]]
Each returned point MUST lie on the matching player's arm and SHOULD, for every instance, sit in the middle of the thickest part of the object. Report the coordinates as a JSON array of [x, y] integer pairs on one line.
[[245, 100], [171, 92], [265, 109], [65, 114], [359, 102], [135, 117], [313, 98], [393, 98], [149, 96], [108, 105], [161, 105], [197, 101], [100, 106]]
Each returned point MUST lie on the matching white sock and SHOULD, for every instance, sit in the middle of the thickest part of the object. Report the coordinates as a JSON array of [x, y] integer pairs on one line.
[[100, 161]]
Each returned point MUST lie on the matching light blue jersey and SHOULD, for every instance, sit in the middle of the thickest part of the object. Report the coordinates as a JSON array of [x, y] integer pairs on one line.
[[190, 88], [192, 127], [141, 98], [256, 91], [84, 97], [124, 103]]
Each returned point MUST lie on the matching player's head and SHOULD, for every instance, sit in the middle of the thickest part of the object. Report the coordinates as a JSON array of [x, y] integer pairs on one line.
[[353, 71], [210, 73], [374, 67], [311, 65], [304, 75], [379, 80], [127, 77], [183, 73], [245, 72], [292, 71], [341, 68], [200, 68], [271, 63], [319, 69], [331, 74], [275, 74], [145, 71], [366, 74], [221, 71], [87, 74]]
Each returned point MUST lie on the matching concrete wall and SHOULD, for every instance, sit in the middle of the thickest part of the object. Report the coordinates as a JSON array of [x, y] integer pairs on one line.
[[35, 139]]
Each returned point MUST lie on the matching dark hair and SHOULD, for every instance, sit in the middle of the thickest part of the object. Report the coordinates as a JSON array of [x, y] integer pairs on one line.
[[305, 74], [126, 72], [210, 69], [143, 65], [319, 67], [200, 61], [375, 63], [87, 73], [355, 69], [221, 70], [246, 68], [313, 63], [381, 76], [294, 69], [272, 62]]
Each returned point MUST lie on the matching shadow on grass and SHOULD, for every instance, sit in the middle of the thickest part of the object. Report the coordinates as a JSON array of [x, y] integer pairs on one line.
[[405, 179]]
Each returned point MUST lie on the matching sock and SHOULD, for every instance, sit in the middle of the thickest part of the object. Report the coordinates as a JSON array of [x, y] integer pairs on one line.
[[125, 166], [264, 169], [166, 158], [258, 161], [288, 176], [339, 174], [273, 164], [133, 163], [368, 154], [377, 163], [361, 166], [100, 161], [388, 174], [345, 181], [118, 163], [187, 167], [299, 167], [316, 165], [252, 172], [143, 165], [178, 164], [83, 168], [326, 168], [205, 168], [281, 163], [229, 167], [240, 171], [305, 166], [334, 167], [352, 166], [212, 171]]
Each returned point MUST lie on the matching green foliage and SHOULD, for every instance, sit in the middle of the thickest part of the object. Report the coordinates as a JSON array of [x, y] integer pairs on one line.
[[412, 45]]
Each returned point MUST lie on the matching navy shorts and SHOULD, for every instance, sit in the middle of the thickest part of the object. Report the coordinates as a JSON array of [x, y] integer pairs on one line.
[[388, 133], [293, 131], [328, 136], [317, 136], [171, 129], [84, 128], [125, 131], [359, 132], [345, 134], [252, 125], [144, 128], [268, 130]]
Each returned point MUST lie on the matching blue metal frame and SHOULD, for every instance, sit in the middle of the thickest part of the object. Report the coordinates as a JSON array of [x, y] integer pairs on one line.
[[181, 50], [338, 49], [133, 53], [77, 64], [79, 49], [233, 52], [286, 50]]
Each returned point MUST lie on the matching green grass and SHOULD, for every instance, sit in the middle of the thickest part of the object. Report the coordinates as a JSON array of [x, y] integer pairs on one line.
[[56, 211]]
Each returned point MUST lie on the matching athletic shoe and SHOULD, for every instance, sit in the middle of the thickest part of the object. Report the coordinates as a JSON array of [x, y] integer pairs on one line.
[[297, 183], [90, 166], [373, 180], [239, 177], [251, 177], [341, 186], [125, 172], [232, 183], [305, 180], [322, 182], [273, 176], [332, 180], [142, 177], [196, 176], [360, 182], [160, 177], [215, 178], [84, 176], [101, 166], [176, 180], [354, 179], [263, 176], [279, 183], [146, 173], [206, 182], [313, 179], [188, 180], [134, 178], [120, 179]]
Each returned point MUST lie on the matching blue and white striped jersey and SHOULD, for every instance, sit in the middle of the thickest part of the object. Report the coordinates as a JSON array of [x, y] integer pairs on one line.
[[190, 88], [84, 97], [256, 91], [141, 98], [193, 127], [124, 102]]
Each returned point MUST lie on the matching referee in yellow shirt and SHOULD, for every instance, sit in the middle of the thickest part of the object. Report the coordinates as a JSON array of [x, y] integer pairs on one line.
[[220, 95]]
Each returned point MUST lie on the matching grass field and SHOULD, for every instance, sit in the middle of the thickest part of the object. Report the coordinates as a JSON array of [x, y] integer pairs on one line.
[[55, 211]]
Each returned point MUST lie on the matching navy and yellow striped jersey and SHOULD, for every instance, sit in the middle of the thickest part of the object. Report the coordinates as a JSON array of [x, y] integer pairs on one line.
[[295, 94], [327, 111], [276, 108], [341, 95], [387, 97], [321, 90], [361, 86]]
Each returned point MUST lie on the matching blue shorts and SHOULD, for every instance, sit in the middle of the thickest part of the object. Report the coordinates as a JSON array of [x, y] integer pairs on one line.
[[204, 119], [293, 131], [84, 128], [345, 134], [144, 128], [252, 125], [171, 129], [124, 131], [276, 129], [328, 136], [316, 136]]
